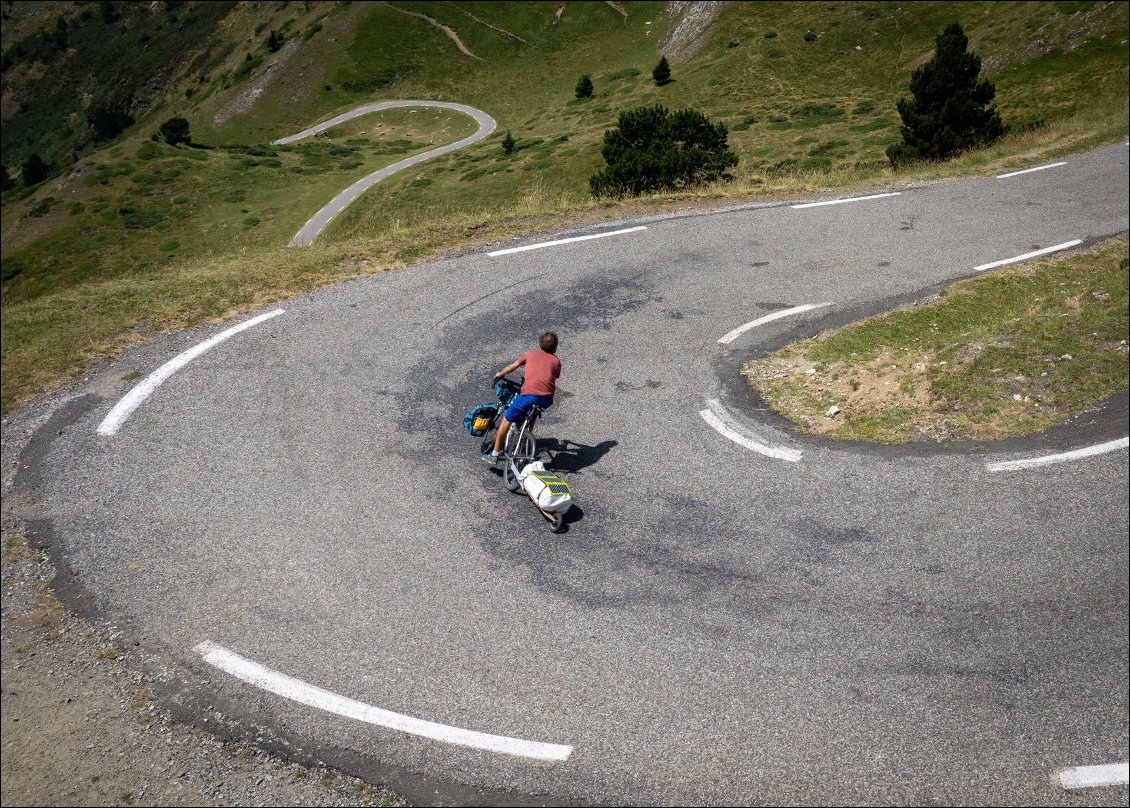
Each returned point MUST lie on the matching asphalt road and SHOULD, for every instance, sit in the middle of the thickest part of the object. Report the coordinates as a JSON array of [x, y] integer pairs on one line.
[[866, 625], [318, 222]]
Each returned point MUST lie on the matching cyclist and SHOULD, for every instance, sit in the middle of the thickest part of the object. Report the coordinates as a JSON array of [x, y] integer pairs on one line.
[[542, 369]]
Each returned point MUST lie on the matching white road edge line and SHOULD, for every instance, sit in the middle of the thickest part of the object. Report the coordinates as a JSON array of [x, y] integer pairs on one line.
[[564, 241], [132, 400], [296, 690], [768, 318], [1065, 245], [1047, 460], [1029, 170], [720, 425], [842, 201], [1111, 774]]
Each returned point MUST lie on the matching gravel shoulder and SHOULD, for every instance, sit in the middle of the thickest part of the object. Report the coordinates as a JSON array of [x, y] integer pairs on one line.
[[79, 712]]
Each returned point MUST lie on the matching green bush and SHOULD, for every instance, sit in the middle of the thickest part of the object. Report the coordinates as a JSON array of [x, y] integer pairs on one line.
[[175, 130], [652, 150], [584, 87]]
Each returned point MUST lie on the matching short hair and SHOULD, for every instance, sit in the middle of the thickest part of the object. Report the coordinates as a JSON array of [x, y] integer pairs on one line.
[[548, 342]]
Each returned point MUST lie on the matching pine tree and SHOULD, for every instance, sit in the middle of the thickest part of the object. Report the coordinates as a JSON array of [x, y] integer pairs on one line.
[[652, 149], [948, 110], [508, 144], [584, 87], [662, 72], [34, 170]]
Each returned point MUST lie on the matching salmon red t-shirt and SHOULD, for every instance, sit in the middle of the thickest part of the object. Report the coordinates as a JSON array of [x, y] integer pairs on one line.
[[542, 370]]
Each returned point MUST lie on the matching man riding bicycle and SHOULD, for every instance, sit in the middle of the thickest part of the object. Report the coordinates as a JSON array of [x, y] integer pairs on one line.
[[542, 370]]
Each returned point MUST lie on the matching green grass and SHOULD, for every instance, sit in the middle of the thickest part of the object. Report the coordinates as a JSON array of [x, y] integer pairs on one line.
[[142, 235], [1008, 353]]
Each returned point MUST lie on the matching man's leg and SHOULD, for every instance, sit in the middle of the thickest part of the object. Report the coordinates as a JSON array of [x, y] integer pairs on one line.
[[503, 428]]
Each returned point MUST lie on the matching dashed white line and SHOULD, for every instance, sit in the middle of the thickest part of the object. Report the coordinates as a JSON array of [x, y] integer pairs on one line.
[[1064, 457], [768, 318], [842, 201], [1035, 254], [715, 415], [296, 690], [132, 400], [564, 241], [1029, 170], [1112, 774]]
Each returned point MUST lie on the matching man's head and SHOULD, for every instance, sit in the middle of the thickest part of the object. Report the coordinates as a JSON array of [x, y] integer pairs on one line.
[[548, 342]]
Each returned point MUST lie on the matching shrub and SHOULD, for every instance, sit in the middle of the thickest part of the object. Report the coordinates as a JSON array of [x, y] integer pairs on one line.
[[652, 150], [175, 130], [810, 37], [948, 110], [584, 87], [662, 72]]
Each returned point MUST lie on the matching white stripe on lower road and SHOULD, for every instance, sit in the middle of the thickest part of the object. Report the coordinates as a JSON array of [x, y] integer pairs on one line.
[[768, 318], [1026, 256], [1029, 170], [1047, 460], [564, 241], [842, 201], [715, 415], [132, 400], [296, 690], [1112, 774]]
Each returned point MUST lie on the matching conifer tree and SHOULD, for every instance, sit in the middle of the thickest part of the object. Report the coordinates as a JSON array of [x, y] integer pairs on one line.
[[949, 108], [34, 170], [584, 87], [508, 144], [662, 72]]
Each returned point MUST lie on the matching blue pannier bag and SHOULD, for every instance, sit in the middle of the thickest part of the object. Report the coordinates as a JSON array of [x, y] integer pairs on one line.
[[479, 419], [506, 390]]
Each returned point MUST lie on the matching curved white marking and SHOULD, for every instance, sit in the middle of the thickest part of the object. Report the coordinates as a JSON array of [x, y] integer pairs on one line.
[[310, 231], [1047, 460], [1026, 256], [721, 421], [132, 400], [296, 690], [1029, 170], [768, 318], [1112, 774], [542, 244], [842, 201]]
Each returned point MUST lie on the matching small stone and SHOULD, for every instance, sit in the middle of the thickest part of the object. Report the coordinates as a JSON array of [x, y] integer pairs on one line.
[[833, 411], [810, 372], [1017, 397], [1067, 357]]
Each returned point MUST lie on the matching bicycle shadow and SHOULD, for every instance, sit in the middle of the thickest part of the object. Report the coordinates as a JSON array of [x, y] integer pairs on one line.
[[570, 457]]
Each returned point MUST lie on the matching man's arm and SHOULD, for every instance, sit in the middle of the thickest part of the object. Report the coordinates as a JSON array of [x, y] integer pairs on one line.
[[517, 363]]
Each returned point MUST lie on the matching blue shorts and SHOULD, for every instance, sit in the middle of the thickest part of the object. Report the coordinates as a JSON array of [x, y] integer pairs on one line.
[[520, 407]]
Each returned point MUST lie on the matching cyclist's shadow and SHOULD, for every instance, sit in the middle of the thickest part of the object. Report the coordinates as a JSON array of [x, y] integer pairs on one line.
[[570, 456]]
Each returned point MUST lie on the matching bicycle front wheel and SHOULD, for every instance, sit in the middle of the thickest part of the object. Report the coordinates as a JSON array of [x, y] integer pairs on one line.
[[487, 446]]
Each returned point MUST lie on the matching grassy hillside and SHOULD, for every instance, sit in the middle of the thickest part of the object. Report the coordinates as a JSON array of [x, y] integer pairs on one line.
[[137, 232]]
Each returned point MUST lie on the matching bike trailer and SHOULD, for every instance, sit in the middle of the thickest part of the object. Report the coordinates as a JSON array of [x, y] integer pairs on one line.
[[479, 419], [548, 491]]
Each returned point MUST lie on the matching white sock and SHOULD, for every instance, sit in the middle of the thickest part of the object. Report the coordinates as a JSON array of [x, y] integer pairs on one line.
[[494, 454]]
